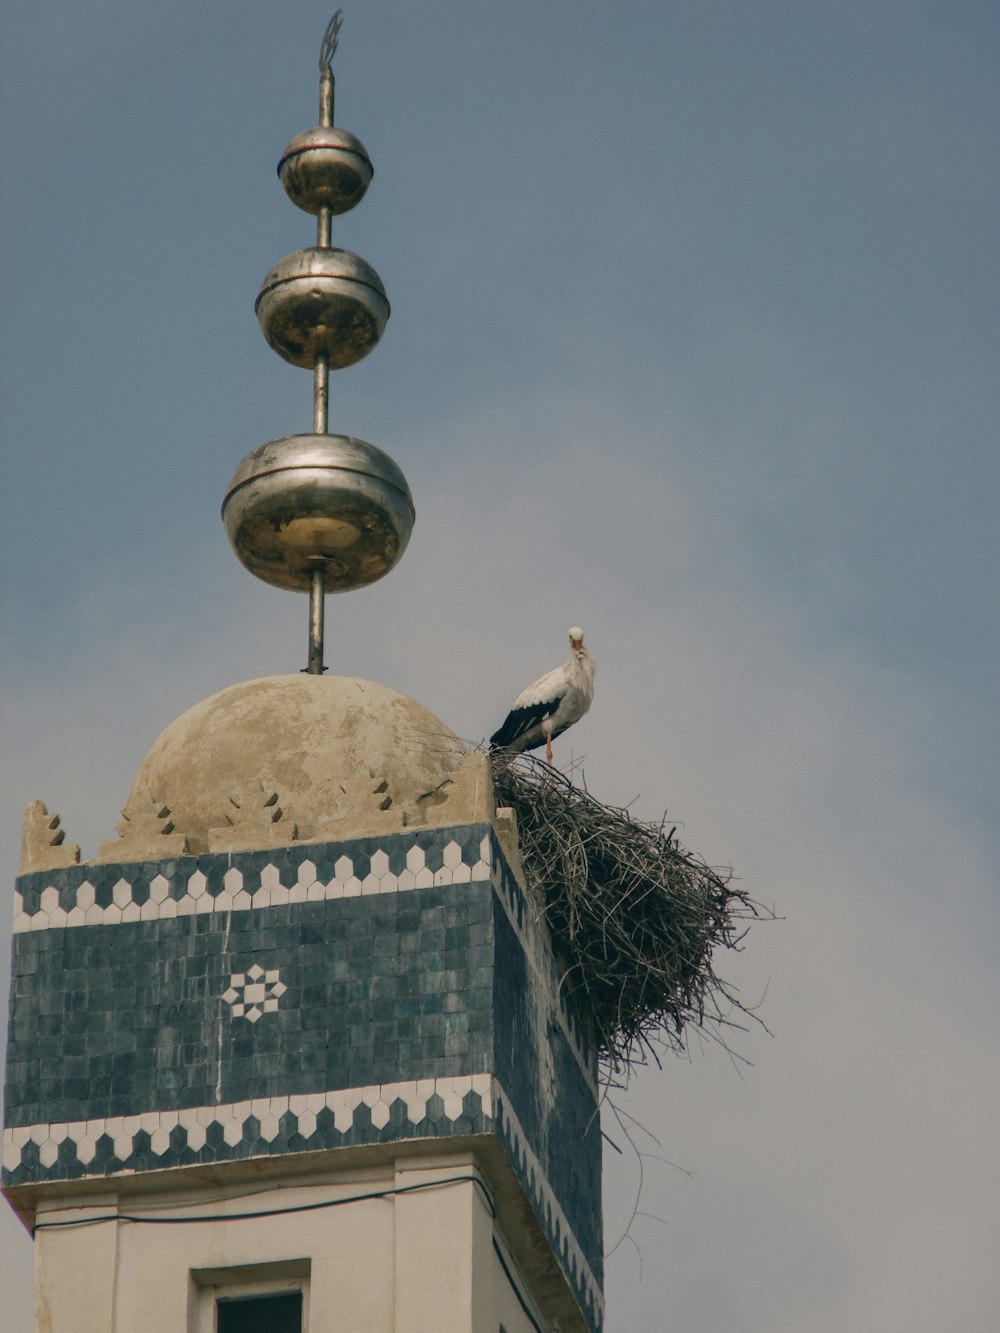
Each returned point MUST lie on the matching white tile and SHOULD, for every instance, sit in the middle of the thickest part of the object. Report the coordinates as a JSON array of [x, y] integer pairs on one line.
[[270, 877], [379, 864], [232, 1132], [49, 899], [315, 892], [58, 1132], [85, 895], [196, 1137], [343, 868], [150, 1121], [255, 993], [352, 887], [298, 1104], [481, 870], [486, 850], [253, 1013], [297, 893], [75, 916], [405, 880], [149, 911], [223, 902], [307, 873], [256, 972], [159, 888], [371, 884], [130, 912], [424, 879], [11, 1154], [443, 876], [271, 975], [48, 1153], [122, 893], [452, 1105], [38, 1134], [41, 922], [168, 910], [241, 901], [279, 896], [306, 1124], [196, 885], [269, 1128], [461, 875], [380, 1115], [233, 880], [279, 1105], [123, 1146], [452, 855], [112, 916], [269, 1006], [343, 1113], [389, 1092], [85, 1149], [206, 1115], [415, 859], [94, 915]]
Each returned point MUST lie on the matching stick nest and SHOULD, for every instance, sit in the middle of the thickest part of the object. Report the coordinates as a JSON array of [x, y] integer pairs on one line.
[[634, 918]]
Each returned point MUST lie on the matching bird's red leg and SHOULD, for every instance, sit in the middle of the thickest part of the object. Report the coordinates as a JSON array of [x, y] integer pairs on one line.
[[548, 748]]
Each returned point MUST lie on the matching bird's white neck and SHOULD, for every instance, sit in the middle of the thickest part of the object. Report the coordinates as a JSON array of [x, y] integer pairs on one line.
[[581, 667]]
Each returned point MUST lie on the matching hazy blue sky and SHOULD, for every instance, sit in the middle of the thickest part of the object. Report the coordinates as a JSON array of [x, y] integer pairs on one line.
[[694, 342]]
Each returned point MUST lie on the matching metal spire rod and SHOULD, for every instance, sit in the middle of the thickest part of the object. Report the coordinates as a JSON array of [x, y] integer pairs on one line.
[[316, 593], [321, 373]]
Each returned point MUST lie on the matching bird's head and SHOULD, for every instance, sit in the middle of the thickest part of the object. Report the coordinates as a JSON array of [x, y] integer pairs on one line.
[[576, 638]]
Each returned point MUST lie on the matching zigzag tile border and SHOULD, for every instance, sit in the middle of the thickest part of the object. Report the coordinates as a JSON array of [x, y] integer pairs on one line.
[[552, 1218], [70, 898], [376, 1114]]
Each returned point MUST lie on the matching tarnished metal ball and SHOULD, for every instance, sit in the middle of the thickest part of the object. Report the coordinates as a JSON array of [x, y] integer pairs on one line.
[[325, 168], [328, 501], [322, 300]]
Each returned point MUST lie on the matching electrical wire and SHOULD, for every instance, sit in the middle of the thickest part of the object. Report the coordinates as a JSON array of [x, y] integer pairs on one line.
[[270, 1212]]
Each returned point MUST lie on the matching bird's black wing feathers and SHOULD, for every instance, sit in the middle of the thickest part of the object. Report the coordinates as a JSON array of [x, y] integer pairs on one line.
[[520, 720]]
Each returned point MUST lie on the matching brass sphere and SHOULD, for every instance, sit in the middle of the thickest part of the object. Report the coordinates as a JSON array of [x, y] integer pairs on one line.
[[327, 501], [322, 301], [325, 168]]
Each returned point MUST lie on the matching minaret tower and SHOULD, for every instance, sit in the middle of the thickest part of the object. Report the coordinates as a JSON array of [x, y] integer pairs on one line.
[[291, 1053]]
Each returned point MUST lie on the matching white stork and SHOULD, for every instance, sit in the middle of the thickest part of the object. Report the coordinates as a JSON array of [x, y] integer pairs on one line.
[[554, 702]]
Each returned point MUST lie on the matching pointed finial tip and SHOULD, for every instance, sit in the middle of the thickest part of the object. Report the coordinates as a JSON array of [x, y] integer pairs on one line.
[[330, 39]]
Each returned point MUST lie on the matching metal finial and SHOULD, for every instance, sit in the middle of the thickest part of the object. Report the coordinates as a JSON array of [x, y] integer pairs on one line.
[[321, 513], [330, 39]]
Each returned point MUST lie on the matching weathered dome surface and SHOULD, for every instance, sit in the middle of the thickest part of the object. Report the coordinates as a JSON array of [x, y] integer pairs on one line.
[[345, 757]]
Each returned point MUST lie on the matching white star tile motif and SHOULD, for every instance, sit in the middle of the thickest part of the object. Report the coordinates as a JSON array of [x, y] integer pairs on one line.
[[254, 993]]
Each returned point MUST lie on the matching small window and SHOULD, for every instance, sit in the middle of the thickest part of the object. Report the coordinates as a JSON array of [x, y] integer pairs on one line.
[[277, 1313]]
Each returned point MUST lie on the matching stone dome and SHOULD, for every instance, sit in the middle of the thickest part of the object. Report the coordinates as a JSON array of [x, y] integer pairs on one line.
[[299, 758]]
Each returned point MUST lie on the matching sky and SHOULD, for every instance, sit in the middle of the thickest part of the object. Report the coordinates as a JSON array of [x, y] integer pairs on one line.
[[693, 343]]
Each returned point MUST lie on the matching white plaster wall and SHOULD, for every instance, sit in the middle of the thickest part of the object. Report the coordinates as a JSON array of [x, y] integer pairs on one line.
[[421, 1261]]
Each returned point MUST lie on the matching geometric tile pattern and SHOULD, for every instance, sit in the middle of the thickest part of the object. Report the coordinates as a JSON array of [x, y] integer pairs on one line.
[[560, 1233], [222, 1006], [376, 1114], [110, 894], [254, 993]]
